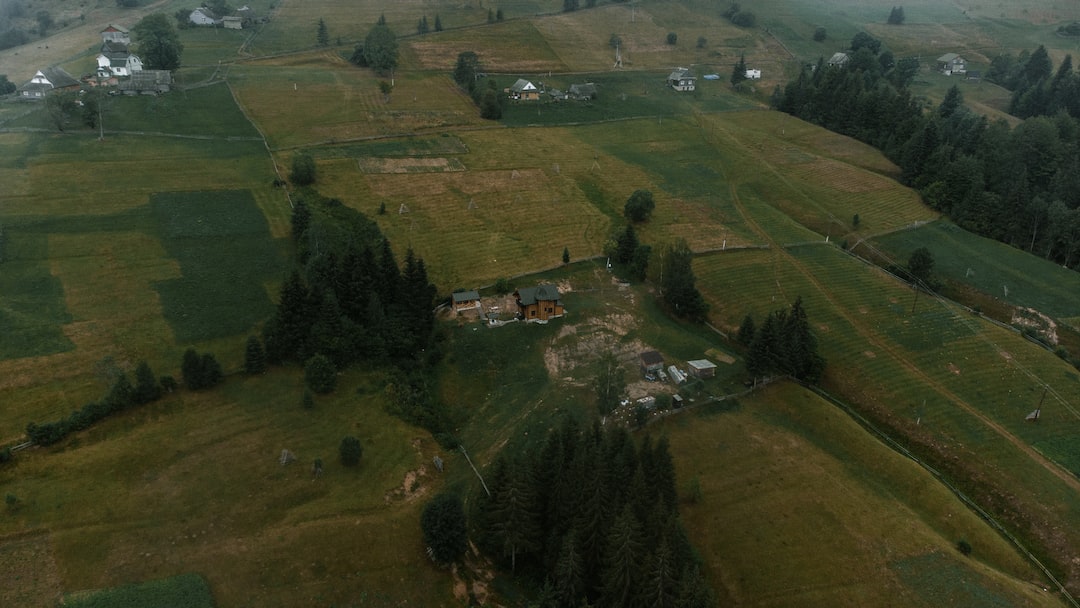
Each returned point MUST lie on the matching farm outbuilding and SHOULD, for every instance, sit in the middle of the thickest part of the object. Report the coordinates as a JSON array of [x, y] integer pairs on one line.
[[651, 362], [702, 368], [676, 375], [465, 300], [839, 60]]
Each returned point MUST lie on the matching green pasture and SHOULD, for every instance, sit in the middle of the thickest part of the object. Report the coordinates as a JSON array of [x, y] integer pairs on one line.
[[193, 484], [990, 267], [938, 372], [183, 591], [532, 53], [222, 243], [799, 507], [207, 112]]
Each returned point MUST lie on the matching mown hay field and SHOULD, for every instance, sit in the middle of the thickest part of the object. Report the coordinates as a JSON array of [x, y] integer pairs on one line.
[[787, 475], [295, 104], [193, 484]]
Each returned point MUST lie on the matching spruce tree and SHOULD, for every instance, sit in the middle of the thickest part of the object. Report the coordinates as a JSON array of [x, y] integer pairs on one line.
[[147, 388], [738, 73], [254, 356], [568, 573], [322, 35], [515, 515], [622, 562], [659, 579], [746, 331]]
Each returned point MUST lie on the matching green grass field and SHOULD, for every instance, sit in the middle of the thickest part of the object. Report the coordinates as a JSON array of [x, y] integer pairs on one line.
[[788, 475], [184, 591], [169, 233]]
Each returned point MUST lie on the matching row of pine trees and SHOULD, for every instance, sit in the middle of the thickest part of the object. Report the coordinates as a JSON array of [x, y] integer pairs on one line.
[[593, 518]]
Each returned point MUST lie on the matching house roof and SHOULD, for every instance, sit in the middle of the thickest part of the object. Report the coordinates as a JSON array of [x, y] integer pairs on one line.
[[838, 59], [110, 46], [522, 85], [678, 73], [541, 293], [115, 28], [209, 14], [50, 78], [949, 58], [651, 357], [586, 89], [700, 364], [465, 296]]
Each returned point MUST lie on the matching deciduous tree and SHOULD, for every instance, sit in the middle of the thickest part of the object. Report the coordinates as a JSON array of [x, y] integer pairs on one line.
[[381, 49], [157, 42]]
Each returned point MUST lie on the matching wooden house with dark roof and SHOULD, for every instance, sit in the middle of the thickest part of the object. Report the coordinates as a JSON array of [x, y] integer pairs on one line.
[[651, 362], [465, 300], [539, 303]]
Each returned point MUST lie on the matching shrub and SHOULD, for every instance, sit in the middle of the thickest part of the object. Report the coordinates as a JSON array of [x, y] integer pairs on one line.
[[303, 170], [672, 38], [963, 547], [350, 451], [320, 374]]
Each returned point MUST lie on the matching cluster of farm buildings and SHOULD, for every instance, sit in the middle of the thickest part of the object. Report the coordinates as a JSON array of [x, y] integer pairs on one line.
[[119, 67]]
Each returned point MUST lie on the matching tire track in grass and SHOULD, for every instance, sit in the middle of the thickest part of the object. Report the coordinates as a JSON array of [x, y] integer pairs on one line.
[[780, 253]]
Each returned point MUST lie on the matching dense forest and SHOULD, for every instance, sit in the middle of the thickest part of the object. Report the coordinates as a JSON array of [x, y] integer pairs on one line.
[[1018, 185], [594, 520]]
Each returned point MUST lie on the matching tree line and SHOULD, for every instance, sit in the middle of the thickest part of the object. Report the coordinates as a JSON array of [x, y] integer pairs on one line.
[[1019, 185], [592, 518], [200, 371]]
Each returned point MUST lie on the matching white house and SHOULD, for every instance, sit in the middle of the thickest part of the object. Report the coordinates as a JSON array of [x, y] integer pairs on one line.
[[951, 63], [753, 74], [116, 60], [203, 16]]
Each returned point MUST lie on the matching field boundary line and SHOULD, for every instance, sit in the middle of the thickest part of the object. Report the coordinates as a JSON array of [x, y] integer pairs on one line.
[[270, 153], [886, 439]]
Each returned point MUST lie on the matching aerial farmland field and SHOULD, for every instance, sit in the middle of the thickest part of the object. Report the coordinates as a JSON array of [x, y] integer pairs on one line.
[[170, 226]]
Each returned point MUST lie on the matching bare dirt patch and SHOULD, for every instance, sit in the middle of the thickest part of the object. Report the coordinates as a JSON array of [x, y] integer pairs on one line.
[[1033, 320], [409, 165], [869, 354], [952, 368]]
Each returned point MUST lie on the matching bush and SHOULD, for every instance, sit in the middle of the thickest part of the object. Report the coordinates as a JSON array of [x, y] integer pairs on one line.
[[200, 371], [303, 170], [639, 206], [963, 547], [320, 374], [350, 451], [672, 38], [820, 34]]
